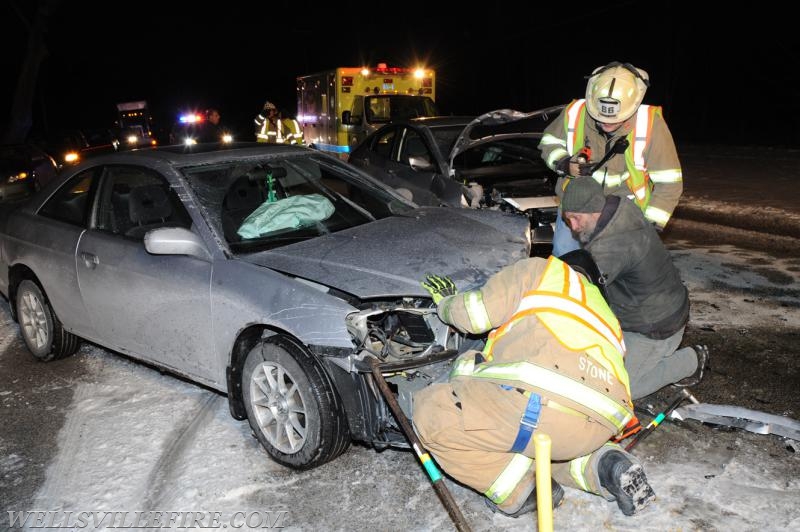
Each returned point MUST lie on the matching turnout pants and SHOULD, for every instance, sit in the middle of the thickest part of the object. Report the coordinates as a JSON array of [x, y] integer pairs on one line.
[[470, 427]]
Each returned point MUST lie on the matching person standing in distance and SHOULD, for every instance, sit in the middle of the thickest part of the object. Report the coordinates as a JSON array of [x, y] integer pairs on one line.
[[269, 126]]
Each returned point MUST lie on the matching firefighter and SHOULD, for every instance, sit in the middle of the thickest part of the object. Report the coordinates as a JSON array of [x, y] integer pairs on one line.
[[294, 133], [269, 126], [553, 363], [648, 171]]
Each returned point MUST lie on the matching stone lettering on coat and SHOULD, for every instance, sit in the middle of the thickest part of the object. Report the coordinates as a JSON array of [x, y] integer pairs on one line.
[[594, 371]]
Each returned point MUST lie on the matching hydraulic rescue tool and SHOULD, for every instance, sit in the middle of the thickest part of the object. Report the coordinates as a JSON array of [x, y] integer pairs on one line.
[[587, 167], [618, 148], [680, 397]]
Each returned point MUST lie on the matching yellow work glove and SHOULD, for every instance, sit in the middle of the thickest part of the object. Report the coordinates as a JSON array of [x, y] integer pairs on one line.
[[439, 287]]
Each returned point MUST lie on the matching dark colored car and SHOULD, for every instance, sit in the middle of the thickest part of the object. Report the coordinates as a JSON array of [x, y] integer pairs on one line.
[[272, 273], [24, 169], [491, 161], [71, 146]]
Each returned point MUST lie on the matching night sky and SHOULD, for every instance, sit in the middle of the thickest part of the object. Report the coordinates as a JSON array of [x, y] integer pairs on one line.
[[725, 77]]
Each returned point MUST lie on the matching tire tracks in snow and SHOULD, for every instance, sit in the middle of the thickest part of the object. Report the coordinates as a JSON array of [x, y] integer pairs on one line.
[[163, 427], [68, 459], [712, 233], [179, 441]]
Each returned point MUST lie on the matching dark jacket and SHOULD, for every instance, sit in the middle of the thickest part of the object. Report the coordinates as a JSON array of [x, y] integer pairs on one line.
[[644, 288]]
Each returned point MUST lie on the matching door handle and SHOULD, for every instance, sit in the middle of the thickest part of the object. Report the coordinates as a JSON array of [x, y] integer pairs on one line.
[[90, 260]]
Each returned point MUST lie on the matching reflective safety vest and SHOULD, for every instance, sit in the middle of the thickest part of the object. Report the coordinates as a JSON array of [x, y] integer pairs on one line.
[[638, 179], [275, 133], [574, 311], [294, 134]]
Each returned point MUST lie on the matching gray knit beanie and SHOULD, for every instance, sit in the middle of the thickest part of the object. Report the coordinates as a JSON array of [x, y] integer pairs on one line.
[[583, 194]]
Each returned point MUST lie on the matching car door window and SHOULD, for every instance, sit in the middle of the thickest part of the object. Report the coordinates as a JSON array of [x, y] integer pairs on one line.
[[384, 143], [71, 203], [134, 200], [414, 146]]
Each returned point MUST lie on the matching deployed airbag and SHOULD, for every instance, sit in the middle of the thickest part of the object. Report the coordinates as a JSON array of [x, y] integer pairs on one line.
[[287, 213]]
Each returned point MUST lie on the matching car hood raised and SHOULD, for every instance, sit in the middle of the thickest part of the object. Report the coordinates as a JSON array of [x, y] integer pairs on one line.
[[502, 124], [390, 257]]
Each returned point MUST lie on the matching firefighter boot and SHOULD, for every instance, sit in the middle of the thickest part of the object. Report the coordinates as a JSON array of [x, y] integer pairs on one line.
[[530, 503], [626, 482], [702, 359]]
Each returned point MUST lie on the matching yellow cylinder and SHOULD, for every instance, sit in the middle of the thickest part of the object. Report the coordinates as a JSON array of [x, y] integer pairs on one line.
[[544, 491]]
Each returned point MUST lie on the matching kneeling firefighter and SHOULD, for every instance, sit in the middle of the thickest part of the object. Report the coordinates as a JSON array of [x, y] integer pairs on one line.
[[553, 362]]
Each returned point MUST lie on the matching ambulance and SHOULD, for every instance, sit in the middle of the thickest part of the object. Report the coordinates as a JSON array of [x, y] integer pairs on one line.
[[338, 108]]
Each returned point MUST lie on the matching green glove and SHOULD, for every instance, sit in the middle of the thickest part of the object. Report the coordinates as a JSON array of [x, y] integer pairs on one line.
[[439, 287]]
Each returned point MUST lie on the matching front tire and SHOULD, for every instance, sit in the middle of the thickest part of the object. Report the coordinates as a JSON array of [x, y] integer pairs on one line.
[[291, 406], [40, 327]]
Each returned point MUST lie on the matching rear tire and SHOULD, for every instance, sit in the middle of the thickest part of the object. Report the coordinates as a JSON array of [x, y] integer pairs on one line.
[[291, 406], [40, 327]]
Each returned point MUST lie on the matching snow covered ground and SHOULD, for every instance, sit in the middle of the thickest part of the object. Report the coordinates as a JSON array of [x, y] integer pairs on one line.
[[137, 440]]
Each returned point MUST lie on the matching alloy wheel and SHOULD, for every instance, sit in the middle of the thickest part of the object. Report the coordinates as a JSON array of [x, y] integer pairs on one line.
[[278, 406], [33, 320]]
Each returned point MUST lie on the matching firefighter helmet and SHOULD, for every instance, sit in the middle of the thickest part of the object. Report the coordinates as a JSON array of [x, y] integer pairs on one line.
[[615, 91], [269, 106]]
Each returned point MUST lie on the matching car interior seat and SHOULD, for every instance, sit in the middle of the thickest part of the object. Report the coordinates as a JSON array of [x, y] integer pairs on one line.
[[415, 147], [242, 198], [120, 203], [74, 209], [149, 207]]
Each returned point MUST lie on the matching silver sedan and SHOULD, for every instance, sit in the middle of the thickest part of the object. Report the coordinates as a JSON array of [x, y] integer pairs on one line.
[[272, 274]]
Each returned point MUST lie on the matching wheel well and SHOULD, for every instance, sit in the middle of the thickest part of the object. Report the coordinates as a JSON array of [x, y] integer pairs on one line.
[[16, 275], [246, 340]]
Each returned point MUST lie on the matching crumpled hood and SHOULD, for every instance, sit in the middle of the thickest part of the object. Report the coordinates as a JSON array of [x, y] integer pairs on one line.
[[390, 257], [502, 124]]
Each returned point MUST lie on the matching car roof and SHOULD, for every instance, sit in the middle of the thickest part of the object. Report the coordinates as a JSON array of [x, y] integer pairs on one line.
[[181, 155], [442, 121]]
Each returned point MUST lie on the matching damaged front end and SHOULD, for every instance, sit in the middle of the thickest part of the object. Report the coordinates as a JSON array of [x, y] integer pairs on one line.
[[497, 159], [415, 349], [531, 197]]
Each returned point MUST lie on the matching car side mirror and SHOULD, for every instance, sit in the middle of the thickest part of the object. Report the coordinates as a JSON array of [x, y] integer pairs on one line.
[[420, 163], [175, 241]]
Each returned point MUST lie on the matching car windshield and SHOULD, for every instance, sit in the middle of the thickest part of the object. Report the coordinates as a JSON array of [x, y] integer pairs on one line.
[[507, 157], [500, 153], [384, 108], [259, 204], [445, 137]]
